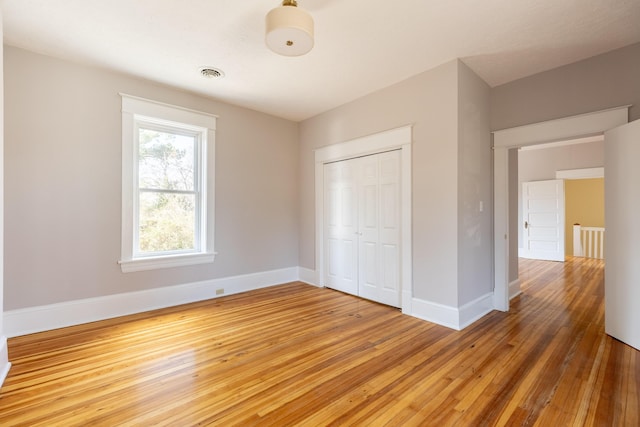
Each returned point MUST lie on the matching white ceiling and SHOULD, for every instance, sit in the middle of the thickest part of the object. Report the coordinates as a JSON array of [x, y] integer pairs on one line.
[[360, 45]]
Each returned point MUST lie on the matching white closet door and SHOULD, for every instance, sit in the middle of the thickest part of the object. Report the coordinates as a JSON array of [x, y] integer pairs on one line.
[[341, 246], [362, 231], [379, 228]]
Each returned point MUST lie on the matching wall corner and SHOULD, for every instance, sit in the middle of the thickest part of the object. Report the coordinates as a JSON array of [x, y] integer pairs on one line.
[[4, 352]]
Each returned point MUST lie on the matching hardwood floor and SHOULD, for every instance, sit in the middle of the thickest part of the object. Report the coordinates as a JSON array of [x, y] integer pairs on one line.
[[299, 355]]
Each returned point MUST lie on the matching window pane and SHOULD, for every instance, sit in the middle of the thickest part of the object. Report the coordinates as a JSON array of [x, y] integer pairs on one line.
[[167, 222], [165, 160]]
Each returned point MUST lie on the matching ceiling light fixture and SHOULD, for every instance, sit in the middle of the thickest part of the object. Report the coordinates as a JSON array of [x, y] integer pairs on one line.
[[289, 29]]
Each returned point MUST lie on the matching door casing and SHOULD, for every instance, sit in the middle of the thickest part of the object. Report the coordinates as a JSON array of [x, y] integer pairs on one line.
[[362, 227], [566, 128], [398, 138]]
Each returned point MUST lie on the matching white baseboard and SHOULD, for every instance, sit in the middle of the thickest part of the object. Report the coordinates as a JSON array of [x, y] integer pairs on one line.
[[407, 302], [474, 310], [42, 318], [514, 289], [433, 312], [309, 276], [452, 317], [4, 360]]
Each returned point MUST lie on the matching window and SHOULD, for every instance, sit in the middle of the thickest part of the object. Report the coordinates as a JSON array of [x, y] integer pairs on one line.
[[167, 205]]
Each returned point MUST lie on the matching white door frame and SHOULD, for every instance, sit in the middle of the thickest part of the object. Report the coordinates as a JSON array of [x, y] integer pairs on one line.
[[399, 138], [572, 127]]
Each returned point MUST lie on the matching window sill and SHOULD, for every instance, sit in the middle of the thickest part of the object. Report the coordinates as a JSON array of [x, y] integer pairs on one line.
[[169, 261]]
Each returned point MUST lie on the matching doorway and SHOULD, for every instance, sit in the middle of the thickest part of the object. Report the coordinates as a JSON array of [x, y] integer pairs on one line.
[[574, 168], [568, 128]]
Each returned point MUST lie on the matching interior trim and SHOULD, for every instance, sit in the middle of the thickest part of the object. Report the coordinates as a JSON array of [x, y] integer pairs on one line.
[[52, 316], [586, 173], [5, 365], [572, 127], [398, 138]]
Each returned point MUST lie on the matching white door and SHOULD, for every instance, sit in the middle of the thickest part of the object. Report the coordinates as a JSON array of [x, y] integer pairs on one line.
[[622, 204], [543, 216], [341, 243], [362, 231], [379, 228]]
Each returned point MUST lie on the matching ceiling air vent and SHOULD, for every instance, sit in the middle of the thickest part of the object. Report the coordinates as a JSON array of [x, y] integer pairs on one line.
[[211, 73]]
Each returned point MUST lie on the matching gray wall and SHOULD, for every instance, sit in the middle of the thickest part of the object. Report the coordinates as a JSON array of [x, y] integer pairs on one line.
[[3, 349], [475, 236], [597, 83], [603, 81], [541, 164], [444, 104], [63, 184], [62, 172]]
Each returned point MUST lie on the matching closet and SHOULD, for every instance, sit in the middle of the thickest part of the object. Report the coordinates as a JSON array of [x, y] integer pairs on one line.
[[362, 226]]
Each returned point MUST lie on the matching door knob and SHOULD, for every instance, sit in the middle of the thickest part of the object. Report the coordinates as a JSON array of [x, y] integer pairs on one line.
[[526, 224]]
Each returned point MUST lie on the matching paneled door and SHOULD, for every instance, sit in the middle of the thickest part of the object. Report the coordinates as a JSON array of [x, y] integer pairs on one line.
[[371, 208], [543, 215], [341, 230], [379, 228]]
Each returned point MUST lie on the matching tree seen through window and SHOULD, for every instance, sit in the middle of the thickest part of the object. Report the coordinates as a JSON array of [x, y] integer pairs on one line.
[[167, 191]]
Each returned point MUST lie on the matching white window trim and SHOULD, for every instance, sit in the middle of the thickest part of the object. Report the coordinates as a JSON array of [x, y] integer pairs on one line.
[[133, 106]]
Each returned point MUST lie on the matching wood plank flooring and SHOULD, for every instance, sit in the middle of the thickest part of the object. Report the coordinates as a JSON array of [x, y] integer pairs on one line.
[[298, 355]]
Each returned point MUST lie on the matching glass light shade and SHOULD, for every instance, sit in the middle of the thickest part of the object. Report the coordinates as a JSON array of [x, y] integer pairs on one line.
[[289, 31]]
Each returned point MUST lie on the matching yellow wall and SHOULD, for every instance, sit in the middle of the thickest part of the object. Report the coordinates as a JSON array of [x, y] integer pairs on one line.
[[584, 204]]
